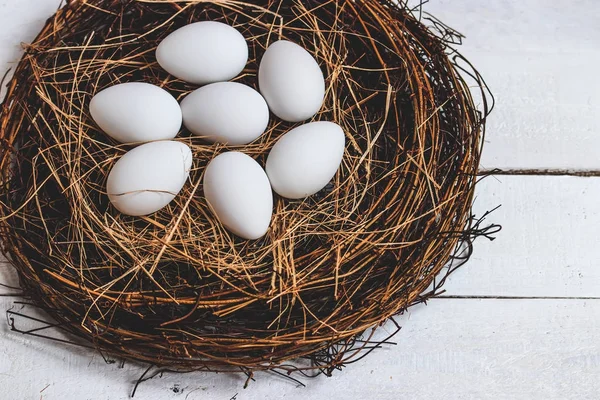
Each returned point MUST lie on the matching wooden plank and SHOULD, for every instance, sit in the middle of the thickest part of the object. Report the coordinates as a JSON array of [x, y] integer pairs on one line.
[[540, 60], [549, 243], [450, 349], [21, 22], [543, 251], [525, 349]]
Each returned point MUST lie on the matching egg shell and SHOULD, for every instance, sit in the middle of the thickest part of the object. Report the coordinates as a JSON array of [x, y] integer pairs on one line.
[[149, 177], [136, 112], [291, 81], [238, 191], [203, 52], [226, 112], [305, 159]]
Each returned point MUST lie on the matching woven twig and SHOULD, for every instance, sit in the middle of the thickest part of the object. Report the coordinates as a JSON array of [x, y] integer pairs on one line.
[[176, 289]]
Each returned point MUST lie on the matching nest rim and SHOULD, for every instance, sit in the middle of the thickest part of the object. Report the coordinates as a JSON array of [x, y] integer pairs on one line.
[[433, 91]]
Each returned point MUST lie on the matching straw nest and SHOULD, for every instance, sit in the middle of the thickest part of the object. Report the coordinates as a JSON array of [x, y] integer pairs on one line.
[[177, 290]]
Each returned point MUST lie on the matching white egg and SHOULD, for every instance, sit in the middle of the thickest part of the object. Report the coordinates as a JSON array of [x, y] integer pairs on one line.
[[149, 177], [291, 81], [226, 112], [305, 159], [136, 112], [203, 52], [238, 191]]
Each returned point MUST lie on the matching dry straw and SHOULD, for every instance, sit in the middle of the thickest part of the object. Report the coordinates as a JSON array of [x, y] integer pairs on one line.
[[175, 289]]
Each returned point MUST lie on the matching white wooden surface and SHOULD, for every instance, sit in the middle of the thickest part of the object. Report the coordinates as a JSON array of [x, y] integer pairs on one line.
[[525, 320], [549, 243], [540, 58]]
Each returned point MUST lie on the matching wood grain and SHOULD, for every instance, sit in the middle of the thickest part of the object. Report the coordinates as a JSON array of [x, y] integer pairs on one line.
[[540, 60], [549, 243], [540, 57], [20, 22], [450, 349]]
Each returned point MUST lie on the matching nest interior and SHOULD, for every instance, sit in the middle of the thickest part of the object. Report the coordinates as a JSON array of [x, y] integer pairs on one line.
[[175, 289]]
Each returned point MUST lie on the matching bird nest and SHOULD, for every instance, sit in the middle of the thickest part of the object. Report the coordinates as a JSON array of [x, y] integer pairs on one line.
[[177, 290]]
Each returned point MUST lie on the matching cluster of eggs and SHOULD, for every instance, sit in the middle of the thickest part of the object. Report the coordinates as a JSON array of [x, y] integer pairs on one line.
[[237, 188]]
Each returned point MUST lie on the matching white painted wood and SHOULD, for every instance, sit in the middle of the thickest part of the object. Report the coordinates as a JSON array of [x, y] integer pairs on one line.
[[530, 348], [450, 349], [549, 244], [20, 22], [540, 59]]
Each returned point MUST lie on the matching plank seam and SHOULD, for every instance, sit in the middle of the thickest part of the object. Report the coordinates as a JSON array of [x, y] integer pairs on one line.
[[542, 172], [475, 297]]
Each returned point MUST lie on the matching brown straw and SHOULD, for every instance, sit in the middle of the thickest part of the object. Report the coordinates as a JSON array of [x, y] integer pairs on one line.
[[177, 290]]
